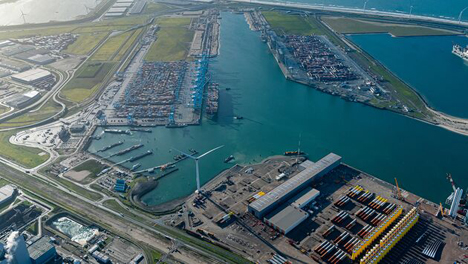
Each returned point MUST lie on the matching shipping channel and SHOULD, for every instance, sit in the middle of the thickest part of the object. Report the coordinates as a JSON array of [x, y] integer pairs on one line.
[[276, 111]]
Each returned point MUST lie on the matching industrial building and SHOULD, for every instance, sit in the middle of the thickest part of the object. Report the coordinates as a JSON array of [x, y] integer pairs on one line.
[[291, 187], [7, 193], [120, 186], [42, 251], [15, 247], [31, 76], [40, 59], [305, 197], [23, 100], [5, 43], [286, 219]]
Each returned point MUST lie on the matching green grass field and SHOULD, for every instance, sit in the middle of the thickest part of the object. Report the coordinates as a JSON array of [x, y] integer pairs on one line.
[[349, 26], [91, 70], [284, 24], [47, 110], [128, 44], [109, 50], [81, 87], [25, 156], [156, 7], [86, 42], [94, 167], [173, 41]]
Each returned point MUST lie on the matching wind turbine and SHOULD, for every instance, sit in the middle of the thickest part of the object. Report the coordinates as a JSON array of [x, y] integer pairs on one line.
[[87, 8], [365, 4], [196, 159], [23, 15]]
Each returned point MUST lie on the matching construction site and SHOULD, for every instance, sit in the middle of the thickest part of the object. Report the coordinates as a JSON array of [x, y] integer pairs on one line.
[[292, 210]]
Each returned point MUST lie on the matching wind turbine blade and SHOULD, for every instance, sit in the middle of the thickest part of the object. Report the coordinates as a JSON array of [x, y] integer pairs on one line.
[[190, 156], [206, 153]]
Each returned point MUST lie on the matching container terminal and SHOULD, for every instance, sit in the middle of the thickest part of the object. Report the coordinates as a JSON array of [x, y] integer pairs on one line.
[[288, 209]]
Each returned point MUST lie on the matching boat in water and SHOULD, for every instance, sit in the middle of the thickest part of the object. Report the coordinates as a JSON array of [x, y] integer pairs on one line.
[[117, 131], [136, 166], [228, 159], [293, 153], [460, 51], [147, 130], [239, 117]]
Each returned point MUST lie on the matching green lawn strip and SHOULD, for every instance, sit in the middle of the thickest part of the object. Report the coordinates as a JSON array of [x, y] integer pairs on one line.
[[156, 7], [173, 42], [79, 190], [48, 110], [33, 228], [81, 87], [348, 26], [111, 47], [128, 44], [24, 156], [284, 24], [86, 42]]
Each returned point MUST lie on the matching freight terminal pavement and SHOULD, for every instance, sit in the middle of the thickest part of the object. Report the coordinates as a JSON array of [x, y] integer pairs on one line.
[[351, 207]]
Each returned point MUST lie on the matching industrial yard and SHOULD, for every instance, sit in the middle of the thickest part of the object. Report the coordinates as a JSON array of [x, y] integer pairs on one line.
[[291, 209]]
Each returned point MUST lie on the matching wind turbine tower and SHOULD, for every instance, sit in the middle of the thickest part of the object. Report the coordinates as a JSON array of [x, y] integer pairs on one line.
[[23, 15], [196, 159]]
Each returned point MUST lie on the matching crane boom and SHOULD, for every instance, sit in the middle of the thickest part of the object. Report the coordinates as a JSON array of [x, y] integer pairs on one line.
[[449, 177], [398, 190]]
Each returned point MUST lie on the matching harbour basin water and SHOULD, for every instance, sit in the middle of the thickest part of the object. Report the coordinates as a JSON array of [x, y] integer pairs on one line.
[[277, 111], [425, 63]]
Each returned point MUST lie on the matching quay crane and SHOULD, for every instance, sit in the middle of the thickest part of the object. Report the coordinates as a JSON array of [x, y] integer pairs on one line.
[[454, 198]]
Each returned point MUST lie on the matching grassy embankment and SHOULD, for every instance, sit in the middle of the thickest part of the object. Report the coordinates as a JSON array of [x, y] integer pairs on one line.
[[293, 24], [24, 156], [173, 41], [49, 109], [346, 25]]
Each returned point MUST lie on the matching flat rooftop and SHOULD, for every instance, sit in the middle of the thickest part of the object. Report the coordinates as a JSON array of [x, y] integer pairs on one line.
[[6, 192], [289, 217], [285, 189], [39, 247], [31, 75], [306, 197]]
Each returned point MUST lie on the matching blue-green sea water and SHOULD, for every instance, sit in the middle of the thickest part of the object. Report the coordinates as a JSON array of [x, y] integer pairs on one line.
[[425, 63], [276, 111], [436, 8]]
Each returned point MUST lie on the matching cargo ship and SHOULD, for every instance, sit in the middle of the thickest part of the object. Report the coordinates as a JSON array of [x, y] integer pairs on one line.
[[460, 51], [117, 131], [149, 152], [147, 130], [212, 98], [110, 146], [122, 152]]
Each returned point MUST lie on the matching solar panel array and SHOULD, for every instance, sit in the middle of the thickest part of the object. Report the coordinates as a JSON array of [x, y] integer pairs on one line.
[[292, 184]]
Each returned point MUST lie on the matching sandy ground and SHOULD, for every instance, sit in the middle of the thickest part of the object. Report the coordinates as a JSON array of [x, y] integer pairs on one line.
[[77, 175]]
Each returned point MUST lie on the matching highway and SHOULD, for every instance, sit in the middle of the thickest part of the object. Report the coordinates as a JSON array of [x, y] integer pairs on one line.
[[356, 11]]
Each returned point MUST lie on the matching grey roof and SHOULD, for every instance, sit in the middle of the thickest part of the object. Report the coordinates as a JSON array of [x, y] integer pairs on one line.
[[305, 197], [38, 248], [285, 189], [287, 217]]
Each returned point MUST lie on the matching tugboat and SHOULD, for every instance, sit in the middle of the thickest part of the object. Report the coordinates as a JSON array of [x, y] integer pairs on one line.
[[228, 159], [239, 117], [293, 153]]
